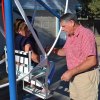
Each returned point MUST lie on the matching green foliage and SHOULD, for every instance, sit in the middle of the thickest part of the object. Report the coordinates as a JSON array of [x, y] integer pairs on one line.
[[94, 8]]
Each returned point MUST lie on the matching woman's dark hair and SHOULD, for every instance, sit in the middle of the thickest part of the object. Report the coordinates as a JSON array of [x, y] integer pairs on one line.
[[69, 16], [17, 24]]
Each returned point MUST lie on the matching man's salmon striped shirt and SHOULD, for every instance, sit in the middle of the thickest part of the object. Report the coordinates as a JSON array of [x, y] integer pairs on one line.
[[79, 46]]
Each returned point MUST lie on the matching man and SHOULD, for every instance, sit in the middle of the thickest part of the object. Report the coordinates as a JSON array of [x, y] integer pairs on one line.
[[81, 58]]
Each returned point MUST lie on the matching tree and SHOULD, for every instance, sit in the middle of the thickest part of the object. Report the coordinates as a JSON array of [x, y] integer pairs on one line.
[[85, 9], [94, 8]]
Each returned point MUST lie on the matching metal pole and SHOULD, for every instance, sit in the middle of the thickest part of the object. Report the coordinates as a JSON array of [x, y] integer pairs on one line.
[[10, 49]]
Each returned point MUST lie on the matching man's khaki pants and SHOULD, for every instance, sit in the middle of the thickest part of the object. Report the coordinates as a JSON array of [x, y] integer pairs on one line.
[[85, 86]]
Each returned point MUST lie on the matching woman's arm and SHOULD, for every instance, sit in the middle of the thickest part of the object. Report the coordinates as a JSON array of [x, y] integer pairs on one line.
[[35, 57]]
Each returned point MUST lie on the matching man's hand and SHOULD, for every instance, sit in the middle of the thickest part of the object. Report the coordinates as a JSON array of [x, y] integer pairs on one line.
[[67, 75], [53, 51]]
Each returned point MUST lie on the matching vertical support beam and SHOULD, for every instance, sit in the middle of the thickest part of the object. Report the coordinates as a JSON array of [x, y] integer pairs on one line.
[[10, 49]]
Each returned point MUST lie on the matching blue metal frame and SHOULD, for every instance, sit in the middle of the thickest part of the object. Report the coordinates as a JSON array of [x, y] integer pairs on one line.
[[10, 44], [10, 49], [46, 7]]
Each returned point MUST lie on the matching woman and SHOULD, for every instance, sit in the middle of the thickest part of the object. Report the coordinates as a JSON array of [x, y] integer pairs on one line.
[[24, 40]]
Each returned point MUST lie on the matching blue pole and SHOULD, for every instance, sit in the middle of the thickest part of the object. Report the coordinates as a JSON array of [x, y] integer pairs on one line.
[[46, 7], [10, 49]]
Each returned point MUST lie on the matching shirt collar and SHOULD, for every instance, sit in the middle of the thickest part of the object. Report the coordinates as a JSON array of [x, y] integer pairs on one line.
[[76, 33]]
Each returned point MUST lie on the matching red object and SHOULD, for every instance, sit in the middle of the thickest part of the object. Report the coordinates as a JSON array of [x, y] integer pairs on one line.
[[3, 17]]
